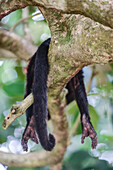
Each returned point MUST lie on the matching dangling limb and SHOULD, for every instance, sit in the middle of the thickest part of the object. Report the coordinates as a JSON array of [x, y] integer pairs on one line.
[[76, 86], [29, 132]]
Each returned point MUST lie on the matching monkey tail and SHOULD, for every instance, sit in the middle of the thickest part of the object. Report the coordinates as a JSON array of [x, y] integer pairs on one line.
[[40, 96]]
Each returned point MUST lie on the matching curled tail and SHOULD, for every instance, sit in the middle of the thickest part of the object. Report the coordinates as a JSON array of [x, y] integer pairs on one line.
[[40, 96]]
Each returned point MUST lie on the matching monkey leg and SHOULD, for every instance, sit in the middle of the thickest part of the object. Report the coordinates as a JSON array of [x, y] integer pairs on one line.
[[29, 132], [76, 90]]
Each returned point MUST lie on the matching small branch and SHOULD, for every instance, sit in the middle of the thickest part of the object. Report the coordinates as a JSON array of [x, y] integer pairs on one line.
[[6, 54], [75, 126], [94, 73], [27, 32], [15, 46], [17, 110], [22, 20]]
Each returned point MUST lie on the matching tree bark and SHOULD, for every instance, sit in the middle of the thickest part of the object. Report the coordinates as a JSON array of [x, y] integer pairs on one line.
[[76, 42], [101, 11], [13, 46]]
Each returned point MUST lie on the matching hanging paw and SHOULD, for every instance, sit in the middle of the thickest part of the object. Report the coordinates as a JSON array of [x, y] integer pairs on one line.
[[29, 133], [88, 130]]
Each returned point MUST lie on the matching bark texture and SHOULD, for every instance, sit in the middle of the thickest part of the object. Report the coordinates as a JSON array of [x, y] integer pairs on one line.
[[13, 46], [101, 10]]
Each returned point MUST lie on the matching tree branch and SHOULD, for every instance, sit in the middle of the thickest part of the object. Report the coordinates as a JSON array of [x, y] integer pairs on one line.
[[22, 20], [17, 110], [79, 42], [99, 10], [6, 54], [94, 73], [15, 46]]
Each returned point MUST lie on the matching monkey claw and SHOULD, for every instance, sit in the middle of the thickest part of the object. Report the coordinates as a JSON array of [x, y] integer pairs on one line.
[[88, 130]]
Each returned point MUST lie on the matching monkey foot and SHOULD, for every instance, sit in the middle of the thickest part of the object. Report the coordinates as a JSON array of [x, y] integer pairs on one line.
[[88, 130], [29, 133]]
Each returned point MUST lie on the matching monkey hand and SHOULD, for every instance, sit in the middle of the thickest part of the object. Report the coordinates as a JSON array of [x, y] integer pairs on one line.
[[88, 130]]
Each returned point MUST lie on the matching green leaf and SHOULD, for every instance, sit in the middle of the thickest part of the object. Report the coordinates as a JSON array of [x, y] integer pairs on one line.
[[94, 116], [82, 160], [108, 88], [72, 108], [14, 89]]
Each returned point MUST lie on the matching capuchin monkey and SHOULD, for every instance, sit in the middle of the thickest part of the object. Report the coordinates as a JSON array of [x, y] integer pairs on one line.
[[37, 114]]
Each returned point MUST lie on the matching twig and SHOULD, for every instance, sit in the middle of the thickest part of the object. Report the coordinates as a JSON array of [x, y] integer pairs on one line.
[[17, 110], [27, 32], [22, 20], [94, 73], [75, 126]]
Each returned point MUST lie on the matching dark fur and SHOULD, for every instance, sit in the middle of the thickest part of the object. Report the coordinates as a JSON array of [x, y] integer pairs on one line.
[[76, 91], [37, 83]]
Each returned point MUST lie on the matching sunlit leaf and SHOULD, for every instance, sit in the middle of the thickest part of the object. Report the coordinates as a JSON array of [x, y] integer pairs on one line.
[[93, 115], [15, 88]]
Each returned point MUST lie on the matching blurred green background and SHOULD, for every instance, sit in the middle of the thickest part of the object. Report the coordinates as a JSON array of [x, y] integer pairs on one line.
[[100, 97]]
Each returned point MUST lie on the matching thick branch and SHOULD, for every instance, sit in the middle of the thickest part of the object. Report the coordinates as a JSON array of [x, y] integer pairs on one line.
[[77, 41], [99, 10], [36, 159], [8, 6], [15, 46]]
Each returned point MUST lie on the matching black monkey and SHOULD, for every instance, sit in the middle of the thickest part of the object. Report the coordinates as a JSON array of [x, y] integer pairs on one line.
[[37, 113]]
